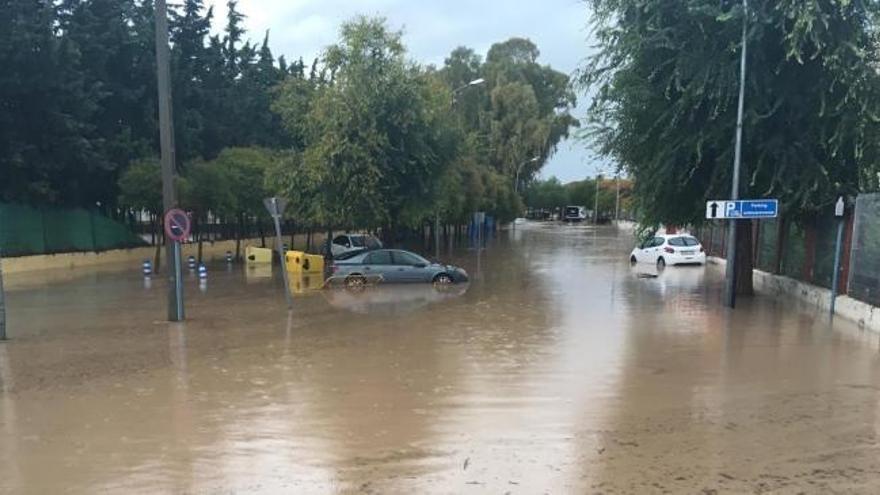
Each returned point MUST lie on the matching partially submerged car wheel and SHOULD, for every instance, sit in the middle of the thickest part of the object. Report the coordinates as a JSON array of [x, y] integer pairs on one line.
[[355, 282], [632, 260], [443, 279], [661, 263]]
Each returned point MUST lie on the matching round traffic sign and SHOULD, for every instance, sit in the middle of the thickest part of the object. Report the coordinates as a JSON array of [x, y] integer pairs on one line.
[[177, 224]]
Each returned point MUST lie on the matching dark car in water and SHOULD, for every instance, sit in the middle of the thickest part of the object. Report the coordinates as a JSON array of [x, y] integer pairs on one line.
[[392, 266]]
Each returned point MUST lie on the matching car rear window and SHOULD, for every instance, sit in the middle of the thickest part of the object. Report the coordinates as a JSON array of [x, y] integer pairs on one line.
[[683, 241]]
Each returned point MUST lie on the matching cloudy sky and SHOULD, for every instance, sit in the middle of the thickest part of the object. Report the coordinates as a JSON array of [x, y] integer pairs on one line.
[[432, 28]]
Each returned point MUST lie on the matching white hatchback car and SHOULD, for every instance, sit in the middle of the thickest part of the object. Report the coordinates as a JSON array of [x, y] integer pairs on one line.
[[345, 243], [669, 249]]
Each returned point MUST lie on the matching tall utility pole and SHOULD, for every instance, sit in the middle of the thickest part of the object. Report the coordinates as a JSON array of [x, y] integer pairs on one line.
[[596, 201], [166, 142], [730, 290], [2, 304]]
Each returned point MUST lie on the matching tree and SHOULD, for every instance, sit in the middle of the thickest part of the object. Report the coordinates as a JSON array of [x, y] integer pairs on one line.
[[666, 79], [548, 194], [374, 145], [245, 171], [140, 189]]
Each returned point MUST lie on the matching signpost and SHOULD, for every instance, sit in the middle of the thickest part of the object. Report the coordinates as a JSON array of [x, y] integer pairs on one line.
[[745, 209], [733, 210], [177, 228], [839, 209], [275, 207], [166, 146]]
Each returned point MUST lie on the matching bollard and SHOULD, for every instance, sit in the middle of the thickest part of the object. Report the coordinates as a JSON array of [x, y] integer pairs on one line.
[[203, 285], [191, 261], [147, 267], [286, 248], [203, 271], [229, 256]]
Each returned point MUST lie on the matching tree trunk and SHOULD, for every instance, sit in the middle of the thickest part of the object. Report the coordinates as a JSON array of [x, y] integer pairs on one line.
[[309, 239], [744, 258], [262, 233]]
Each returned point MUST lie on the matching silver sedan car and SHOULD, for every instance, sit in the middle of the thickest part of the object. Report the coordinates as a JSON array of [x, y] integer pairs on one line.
[[392, 266]]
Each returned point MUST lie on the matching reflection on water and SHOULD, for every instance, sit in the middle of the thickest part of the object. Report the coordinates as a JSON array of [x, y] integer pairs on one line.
[[304, 283], [392, 298], [557, 370]]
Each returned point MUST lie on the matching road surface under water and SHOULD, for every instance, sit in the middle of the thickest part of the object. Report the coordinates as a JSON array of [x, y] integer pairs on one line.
[[558, 370]]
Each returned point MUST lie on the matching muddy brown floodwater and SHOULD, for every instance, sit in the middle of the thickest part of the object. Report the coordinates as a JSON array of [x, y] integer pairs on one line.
[[558, 370]]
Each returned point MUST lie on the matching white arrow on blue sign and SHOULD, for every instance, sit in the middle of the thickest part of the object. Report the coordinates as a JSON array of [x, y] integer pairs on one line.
[[744, 208]]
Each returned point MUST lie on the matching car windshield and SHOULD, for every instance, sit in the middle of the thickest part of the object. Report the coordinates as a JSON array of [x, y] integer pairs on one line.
[[358, 241]]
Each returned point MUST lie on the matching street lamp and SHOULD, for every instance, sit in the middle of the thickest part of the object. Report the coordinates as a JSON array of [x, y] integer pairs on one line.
[[475, 82], [519, 170]]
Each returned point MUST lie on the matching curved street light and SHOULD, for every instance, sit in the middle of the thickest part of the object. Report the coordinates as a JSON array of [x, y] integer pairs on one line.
[[475, 82]]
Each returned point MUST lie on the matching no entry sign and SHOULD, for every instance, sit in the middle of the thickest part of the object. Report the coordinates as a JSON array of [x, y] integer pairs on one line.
[[177, 224]]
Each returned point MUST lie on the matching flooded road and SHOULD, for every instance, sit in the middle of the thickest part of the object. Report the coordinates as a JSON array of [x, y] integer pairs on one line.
[[558, 370]]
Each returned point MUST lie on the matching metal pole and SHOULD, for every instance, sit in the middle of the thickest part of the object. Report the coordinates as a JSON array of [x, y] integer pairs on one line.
[[730, 290], [437, 236], [596, 202], [2, 304], [166, 142], [177, 288], [836, 277], [280, 248]]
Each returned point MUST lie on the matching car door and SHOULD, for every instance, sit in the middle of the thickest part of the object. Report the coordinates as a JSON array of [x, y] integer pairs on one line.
[[642, 250], [652, 250], [379, 263], [411, 268]]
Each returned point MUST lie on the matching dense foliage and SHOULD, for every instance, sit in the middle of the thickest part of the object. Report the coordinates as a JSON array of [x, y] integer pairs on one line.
[[666, 79], [78, 94], [363, 136]]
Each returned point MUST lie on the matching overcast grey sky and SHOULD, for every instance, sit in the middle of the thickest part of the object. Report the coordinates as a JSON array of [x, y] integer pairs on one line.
[[432, 29]]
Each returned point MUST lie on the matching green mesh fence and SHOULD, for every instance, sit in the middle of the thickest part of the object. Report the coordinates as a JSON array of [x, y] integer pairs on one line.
[[768, 236], [826, 238], [864, 272], [794, 251], [25, 230]]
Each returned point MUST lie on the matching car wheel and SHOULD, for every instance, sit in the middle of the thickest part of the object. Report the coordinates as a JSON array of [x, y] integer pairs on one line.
[[355, 282], [632, 260], [661, 263], [443, 279]]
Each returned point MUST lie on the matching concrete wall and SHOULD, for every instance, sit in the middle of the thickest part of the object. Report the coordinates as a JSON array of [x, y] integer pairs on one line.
[[819, 298], [211, 251]]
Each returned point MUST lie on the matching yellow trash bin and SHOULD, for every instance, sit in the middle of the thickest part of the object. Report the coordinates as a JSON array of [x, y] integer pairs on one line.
[[258, 255], [300, 262]]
